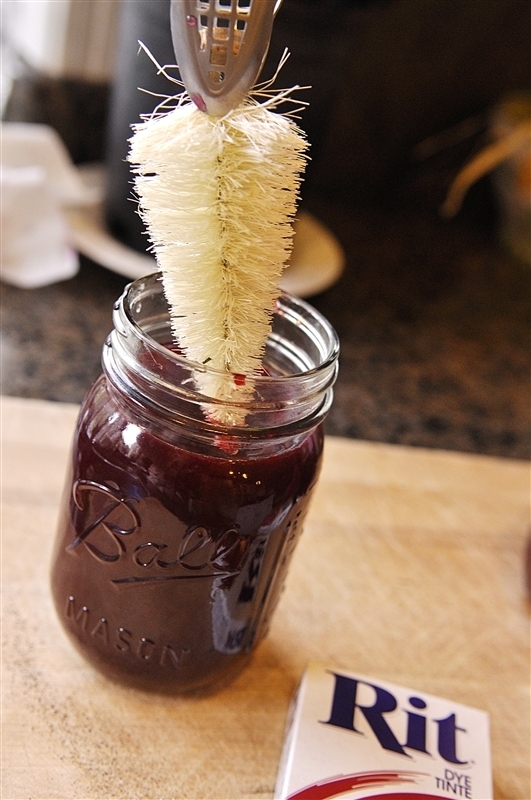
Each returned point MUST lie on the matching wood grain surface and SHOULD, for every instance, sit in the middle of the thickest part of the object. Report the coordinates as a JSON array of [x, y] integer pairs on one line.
[[411, 569]]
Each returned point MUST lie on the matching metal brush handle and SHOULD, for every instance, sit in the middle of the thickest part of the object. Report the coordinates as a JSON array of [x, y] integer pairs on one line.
[[220, 47]]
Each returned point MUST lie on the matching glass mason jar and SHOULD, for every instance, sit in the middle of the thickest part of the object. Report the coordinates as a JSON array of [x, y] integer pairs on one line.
[[176, 531]]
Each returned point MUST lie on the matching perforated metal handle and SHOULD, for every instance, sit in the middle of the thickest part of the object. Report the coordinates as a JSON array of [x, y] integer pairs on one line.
[[220, 47]]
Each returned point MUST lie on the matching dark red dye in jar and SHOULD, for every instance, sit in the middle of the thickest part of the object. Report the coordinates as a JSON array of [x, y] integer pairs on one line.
[[174, 539], [169, 562]]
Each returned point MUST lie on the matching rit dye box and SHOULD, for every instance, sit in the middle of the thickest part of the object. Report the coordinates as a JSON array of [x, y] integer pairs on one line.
[[351, 737]]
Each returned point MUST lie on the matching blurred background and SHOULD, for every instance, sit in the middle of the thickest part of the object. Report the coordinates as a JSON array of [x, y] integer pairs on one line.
[[432, 311]]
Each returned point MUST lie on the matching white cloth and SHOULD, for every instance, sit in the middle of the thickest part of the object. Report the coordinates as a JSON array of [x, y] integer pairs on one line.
[[38, 183]]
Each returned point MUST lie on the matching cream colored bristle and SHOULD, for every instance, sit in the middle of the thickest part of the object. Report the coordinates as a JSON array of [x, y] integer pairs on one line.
[[218, 196]]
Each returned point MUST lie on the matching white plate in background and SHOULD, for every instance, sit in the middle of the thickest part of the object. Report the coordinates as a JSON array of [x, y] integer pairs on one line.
[[317, 259]]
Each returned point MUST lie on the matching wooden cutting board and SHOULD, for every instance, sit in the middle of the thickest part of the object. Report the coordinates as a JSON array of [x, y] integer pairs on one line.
[[411, 569]]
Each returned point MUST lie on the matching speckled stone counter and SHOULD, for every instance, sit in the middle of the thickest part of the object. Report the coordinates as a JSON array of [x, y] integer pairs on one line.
[[433, 319]]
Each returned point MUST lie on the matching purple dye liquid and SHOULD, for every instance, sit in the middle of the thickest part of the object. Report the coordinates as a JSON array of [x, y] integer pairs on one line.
[[169, 562]]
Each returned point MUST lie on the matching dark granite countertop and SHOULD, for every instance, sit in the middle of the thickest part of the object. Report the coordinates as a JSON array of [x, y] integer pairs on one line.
[[433, 319]]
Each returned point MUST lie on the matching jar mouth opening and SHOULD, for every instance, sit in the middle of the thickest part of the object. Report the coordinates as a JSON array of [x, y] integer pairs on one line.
[[300, 363], [287, 305]]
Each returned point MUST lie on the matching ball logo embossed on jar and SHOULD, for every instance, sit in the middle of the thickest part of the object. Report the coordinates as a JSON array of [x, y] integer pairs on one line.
[[101, 514]]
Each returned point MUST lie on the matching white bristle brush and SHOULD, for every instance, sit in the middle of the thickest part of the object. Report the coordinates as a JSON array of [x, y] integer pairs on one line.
[[218, 196]]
